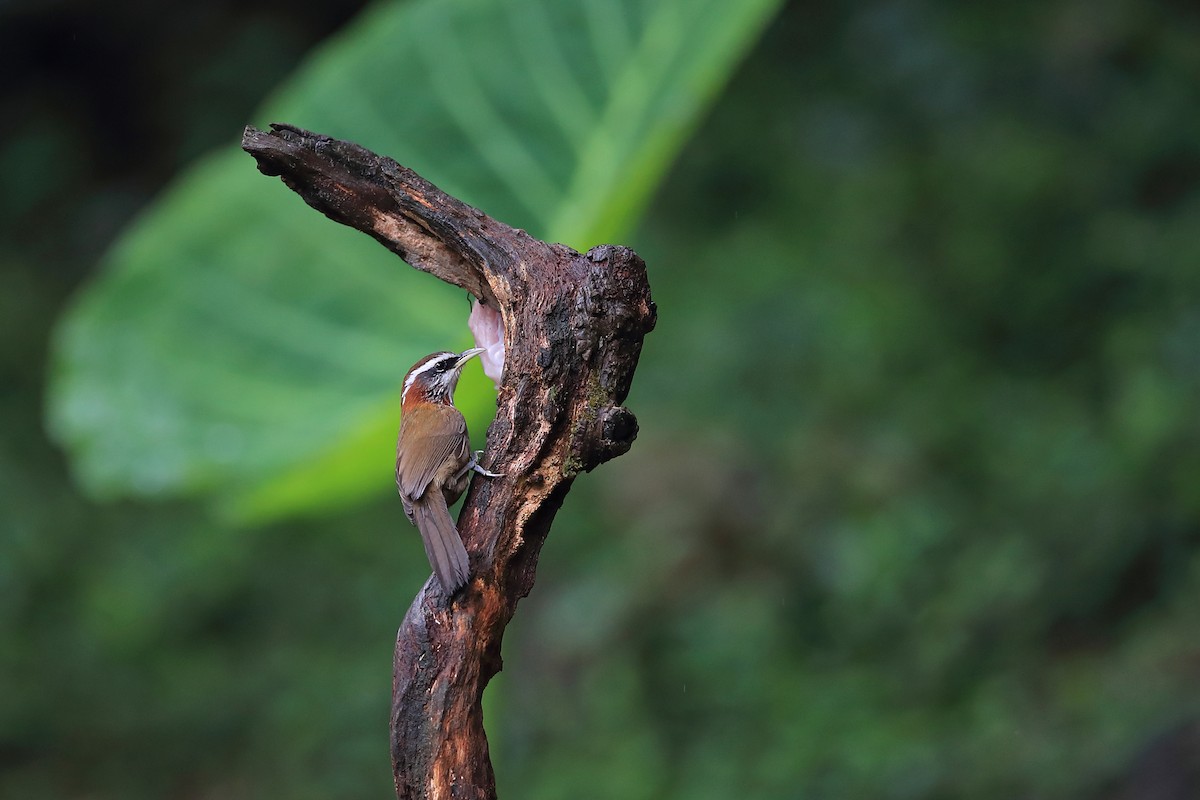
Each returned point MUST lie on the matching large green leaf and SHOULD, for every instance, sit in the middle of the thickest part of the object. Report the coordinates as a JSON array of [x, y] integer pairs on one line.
[[237, 344]]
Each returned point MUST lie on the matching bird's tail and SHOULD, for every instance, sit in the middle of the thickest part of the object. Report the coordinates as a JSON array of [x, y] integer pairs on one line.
[[443, 545]]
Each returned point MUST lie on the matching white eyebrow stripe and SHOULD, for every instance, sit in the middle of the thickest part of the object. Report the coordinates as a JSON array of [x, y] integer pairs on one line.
[[428, 365]]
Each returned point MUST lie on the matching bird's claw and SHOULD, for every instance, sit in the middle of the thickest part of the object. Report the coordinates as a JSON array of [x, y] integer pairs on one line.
[[474, 465]]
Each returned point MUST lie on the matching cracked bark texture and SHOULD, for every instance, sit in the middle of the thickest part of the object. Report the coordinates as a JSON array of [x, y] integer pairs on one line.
[[573, 328]]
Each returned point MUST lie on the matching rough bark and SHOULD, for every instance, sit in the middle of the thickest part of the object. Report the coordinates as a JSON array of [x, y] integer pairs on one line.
[[573, 329]]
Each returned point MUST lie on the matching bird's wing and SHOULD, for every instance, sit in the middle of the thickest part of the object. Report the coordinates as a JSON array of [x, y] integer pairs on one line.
[[420, 453]]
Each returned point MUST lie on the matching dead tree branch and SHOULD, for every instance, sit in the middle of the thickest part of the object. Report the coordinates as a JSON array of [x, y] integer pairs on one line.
[[573, 328]]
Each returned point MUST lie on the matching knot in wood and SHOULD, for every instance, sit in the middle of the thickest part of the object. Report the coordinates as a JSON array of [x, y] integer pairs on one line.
[[618, 429]]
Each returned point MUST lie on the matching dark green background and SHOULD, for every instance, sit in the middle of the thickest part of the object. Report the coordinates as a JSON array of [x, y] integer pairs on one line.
[[915, 511]]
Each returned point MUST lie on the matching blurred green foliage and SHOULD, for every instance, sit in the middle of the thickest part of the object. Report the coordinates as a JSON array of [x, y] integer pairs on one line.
[[234, 345], [915, 510]]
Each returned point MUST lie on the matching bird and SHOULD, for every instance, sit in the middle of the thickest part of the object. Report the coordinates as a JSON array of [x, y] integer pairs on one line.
[[434, 461]]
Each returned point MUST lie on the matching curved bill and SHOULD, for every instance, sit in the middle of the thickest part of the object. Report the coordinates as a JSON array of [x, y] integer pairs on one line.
[[467, 355]]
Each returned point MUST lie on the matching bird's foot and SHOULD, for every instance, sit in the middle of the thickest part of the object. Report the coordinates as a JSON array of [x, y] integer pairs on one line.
[[474, 465]]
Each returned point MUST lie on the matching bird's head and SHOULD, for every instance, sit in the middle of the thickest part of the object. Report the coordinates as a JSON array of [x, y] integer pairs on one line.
[[433, 378]]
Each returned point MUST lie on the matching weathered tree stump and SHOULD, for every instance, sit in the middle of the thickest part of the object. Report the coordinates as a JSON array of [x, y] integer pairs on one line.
[[573, 327]]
